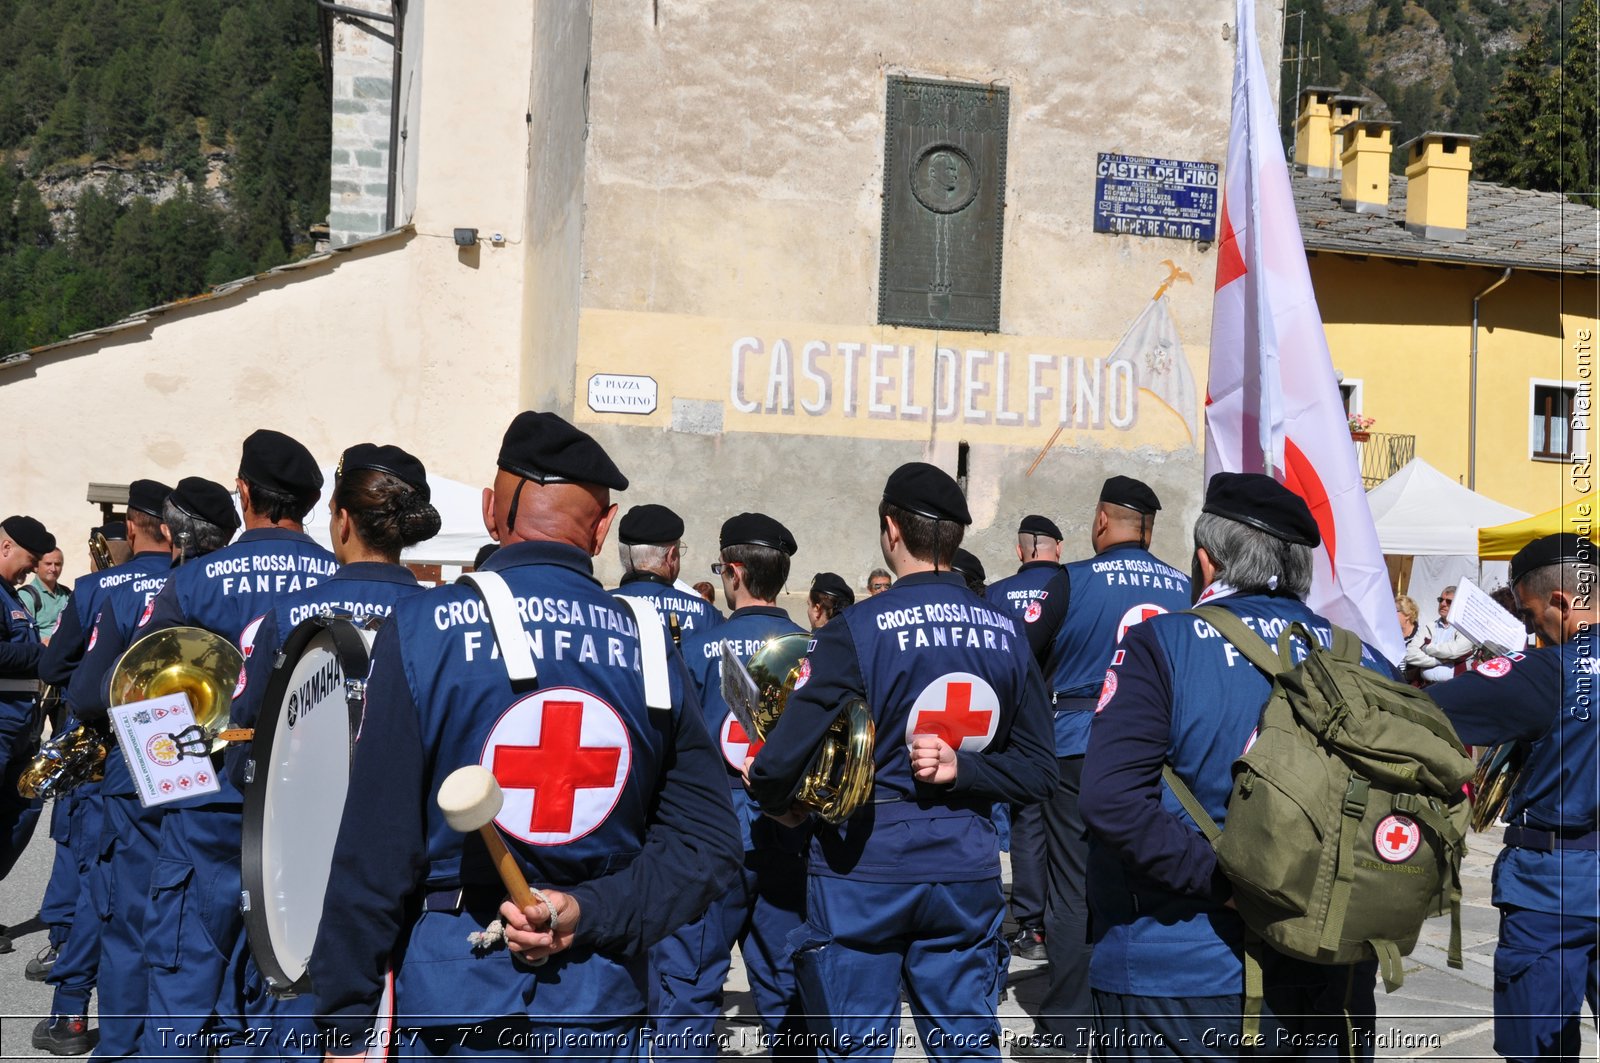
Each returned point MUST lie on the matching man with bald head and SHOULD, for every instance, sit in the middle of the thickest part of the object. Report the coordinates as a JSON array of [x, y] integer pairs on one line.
[[615, 803]]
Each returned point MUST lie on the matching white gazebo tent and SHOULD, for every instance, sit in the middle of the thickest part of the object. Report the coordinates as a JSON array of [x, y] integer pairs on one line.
[[460, 535], [1428, 529]]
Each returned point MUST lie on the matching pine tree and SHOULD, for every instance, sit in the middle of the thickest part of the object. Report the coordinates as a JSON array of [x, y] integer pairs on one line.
[[1574, 115], [1396, 17], [1515, 149]]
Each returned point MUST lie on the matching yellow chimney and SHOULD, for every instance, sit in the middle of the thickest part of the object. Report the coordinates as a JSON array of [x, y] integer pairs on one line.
[[1312, 147], [1437, 168], [1364, 166], [1342, 110]]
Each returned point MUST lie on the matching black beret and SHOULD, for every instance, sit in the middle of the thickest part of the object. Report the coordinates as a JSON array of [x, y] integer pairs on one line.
[[832, 583], [1565, 548], [966, 562], [206, 500], [386, 458], [280, 463], [1033, 524], [757, 529], [485, 552], [116, 531], [1134, 494], [927, 491], [1262, 502], [148, 496], [649, 524], [28, 534], [546, 449]]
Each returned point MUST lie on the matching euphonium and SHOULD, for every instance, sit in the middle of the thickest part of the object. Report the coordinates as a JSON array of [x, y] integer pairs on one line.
[[839, 778], [186, 660], [68, 760]]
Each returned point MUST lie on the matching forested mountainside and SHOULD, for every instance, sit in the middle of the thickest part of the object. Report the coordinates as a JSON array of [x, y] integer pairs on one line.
[[150, 148], [1520, 73]]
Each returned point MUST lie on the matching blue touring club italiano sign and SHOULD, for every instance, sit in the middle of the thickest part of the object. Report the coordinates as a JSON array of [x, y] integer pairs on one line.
[[1139, 196]]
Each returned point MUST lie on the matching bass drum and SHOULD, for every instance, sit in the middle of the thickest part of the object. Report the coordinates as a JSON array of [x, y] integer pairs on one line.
[[296, 778]]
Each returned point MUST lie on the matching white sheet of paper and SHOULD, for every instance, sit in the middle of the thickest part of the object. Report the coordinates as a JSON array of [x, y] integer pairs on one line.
[[145, 729], [1484, 621]]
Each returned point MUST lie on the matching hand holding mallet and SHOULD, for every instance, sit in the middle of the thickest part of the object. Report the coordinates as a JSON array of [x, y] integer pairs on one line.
[[470, 798]]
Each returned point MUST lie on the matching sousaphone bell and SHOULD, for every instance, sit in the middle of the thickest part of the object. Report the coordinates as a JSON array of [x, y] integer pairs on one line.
[[183, 660]]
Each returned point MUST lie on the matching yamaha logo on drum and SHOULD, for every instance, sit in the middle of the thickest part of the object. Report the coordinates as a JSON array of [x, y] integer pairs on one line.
[[322, 684]]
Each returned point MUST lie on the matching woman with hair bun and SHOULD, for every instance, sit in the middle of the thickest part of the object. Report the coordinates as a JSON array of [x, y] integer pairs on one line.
[[380, 504]]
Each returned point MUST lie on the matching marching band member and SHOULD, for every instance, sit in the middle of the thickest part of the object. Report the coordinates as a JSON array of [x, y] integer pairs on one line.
[[1082, 613], [193, 932], [1544, 880], [830, 595], [1039, 552], [23, 541], [197, 518], [907, 891], [1167, 970], [620, 811], [767, 901], [71, 958], [380, 505], [650, 546]]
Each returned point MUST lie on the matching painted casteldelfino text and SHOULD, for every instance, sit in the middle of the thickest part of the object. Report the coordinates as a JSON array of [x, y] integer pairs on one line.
[[970, 385]]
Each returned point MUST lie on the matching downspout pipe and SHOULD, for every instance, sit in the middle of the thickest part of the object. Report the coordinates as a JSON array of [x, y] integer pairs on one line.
[[1472, 406]]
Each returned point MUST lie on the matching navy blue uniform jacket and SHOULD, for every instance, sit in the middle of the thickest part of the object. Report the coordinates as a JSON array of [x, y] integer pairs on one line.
[[625, 808], [929, 657]]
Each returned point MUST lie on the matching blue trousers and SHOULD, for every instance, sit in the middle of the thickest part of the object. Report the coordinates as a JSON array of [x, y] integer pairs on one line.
[[19, 738], [863, 941], [61, 892], [78, 946], [1027, 865], [1302, 1017], [758, 913], [1545, 967], [119, 885], [281, 1028], [194, 936], [518, 1037]]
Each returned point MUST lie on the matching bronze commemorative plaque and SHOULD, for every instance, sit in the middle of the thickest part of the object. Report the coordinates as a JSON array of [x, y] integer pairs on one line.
[[944, 177]]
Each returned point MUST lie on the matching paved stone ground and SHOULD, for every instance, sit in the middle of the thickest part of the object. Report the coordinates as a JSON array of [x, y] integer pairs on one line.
[[1439, 1014]]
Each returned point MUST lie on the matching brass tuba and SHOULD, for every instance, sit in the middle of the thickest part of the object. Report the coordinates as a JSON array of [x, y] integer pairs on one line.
[[839, 778], [186, 660]]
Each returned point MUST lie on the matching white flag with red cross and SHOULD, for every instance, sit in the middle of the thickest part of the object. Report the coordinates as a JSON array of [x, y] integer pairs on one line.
[[1272, 399]]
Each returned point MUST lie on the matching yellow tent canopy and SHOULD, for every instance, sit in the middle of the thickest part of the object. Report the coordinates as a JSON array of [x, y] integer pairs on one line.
[[1504, 540]]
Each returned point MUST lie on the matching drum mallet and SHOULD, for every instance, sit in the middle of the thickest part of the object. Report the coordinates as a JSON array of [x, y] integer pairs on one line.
[[470, 798]]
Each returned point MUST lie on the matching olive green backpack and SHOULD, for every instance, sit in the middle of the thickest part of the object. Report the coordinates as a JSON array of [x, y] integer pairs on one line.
[[1347, 821]]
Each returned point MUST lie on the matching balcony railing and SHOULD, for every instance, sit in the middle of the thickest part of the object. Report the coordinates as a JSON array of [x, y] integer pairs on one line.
[[1383, 454]]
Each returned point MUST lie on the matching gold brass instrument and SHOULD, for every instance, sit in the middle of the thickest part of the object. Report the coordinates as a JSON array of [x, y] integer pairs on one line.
[[839, 778], [1492, 783], [186, 660], [100, 551], [67, 761]]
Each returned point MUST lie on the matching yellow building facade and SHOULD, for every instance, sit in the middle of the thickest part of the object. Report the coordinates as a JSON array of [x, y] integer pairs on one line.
[[1461, 316]]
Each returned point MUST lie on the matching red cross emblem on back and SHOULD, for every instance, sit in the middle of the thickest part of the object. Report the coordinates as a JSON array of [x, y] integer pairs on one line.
[[736, 745], [1137, 615], [960, 708], [562, 757]]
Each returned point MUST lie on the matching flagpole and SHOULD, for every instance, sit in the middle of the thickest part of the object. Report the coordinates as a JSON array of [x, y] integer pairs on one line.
[[1176, 273]]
